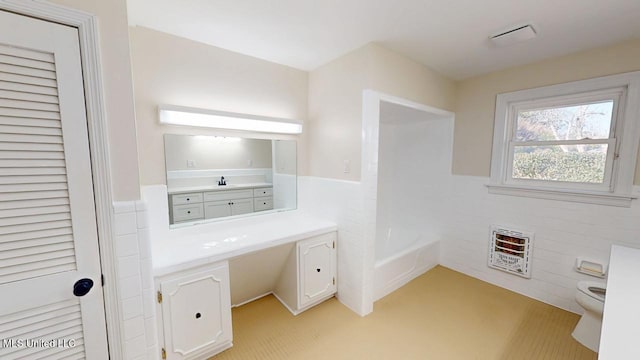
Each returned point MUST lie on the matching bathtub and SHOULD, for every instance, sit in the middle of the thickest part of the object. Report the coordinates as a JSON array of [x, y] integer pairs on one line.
[[397, 269]]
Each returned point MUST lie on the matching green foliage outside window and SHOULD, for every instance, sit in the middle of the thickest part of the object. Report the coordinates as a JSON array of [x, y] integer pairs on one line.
[[585, 167]]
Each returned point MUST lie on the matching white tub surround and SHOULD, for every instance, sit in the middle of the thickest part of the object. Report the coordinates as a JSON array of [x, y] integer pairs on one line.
[[406, 161], [619, 338], [396, 271]]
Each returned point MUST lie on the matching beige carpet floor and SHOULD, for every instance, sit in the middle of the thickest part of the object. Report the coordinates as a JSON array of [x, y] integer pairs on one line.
[[442, 314]]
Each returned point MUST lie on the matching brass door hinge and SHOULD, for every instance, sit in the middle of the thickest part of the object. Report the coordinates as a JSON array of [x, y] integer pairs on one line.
[[164, 353], [334, 244], [334, 281], [159, 297]]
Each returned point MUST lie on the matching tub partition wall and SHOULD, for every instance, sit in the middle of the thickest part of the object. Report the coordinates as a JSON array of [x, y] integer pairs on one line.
[[414, 164]]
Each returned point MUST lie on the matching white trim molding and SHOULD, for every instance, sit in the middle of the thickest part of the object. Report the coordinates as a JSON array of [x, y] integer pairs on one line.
[[618, 186], [98, 139], [573, 196]]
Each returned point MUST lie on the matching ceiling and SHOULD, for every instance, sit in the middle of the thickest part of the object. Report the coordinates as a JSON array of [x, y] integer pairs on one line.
[[450, 36]]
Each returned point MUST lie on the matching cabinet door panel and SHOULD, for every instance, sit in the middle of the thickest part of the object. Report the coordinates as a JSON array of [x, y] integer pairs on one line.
[[317, 268], [216, 209], [183, 199], [196, 311], [263, 192], [243, 206], [187, 212], [263, 203]]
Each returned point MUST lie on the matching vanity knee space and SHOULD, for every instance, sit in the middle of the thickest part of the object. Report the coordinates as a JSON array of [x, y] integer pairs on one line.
[[194, 306]]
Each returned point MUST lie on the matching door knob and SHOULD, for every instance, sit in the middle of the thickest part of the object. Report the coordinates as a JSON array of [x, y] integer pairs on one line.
[[82, 287]]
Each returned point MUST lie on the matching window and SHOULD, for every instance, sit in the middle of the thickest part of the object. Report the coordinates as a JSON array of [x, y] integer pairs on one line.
[[576, 141]]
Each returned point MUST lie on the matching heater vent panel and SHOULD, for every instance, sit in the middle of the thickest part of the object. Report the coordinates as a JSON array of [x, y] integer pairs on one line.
[[510, 251]]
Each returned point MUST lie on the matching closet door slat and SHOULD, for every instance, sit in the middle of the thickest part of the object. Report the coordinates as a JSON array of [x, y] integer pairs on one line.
[[36, 237]]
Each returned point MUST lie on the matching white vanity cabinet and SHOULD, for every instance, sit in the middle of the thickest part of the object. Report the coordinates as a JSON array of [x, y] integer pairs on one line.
[[219, 203], [227, 203], [216, 209], [194, 309], [309, 275], [221, 208], [194, 303], [316, 269], [186, 207]]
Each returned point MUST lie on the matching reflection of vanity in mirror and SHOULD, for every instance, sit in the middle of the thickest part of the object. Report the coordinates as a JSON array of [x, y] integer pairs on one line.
[[213, 177]]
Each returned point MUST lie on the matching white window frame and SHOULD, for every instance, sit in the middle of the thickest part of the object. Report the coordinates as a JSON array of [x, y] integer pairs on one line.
[[623, 89]]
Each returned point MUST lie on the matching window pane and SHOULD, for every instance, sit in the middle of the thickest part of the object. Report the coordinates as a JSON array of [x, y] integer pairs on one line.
[[591, 121], [573, 163]]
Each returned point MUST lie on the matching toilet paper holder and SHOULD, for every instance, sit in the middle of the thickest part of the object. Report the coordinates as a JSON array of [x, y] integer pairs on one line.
[[591, 268]]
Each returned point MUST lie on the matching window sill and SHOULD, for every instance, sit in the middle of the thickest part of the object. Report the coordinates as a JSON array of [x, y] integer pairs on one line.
[[587, 197]]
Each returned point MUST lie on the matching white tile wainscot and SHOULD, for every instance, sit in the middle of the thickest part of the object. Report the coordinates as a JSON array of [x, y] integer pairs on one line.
[[460, 214], [563, 231], [621, 307], [135, 286]]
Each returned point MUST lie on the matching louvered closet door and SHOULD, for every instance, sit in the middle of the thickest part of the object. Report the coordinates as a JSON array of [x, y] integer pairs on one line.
[[48, 237]]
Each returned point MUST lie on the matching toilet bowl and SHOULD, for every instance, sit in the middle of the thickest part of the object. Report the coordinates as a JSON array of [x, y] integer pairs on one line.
[[590, 296]]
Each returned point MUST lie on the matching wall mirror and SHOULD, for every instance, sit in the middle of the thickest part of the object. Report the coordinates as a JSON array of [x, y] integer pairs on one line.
[[214, 177]]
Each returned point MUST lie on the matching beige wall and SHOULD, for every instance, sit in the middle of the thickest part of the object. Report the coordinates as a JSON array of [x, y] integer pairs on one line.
[[172, 70], [400, 76], [335, 115], [475, 105], [335, 103], [175, 71], [118, 92]]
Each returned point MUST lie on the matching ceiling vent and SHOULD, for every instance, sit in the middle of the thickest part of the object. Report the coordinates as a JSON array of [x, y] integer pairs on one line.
[[515, 35]]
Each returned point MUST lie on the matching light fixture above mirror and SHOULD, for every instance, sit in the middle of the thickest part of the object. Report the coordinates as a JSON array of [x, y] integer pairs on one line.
[[186, 116]]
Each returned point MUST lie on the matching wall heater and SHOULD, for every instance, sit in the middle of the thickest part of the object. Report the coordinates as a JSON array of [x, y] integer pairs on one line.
[[510, 251]]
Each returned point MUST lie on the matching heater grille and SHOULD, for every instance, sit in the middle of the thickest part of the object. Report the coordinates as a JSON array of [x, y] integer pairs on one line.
[[510, 251]]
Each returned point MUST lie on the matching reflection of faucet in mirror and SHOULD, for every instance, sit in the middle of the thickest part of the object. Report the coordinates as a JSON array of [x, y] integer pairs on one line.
[[222, 181]]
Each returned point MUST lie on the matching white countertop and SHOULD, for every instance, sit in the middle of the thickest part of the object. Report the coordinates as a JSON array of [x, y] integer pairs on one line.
[[193, 246], [177, 190], [621, 323]]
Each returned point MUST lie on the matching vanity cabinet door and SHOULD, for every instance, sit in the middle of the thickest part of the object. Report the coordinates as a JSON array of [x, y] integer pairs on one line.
[[183, 199], [263, 192], [263, 203], [196, 313], [187, 212], [317, 268], [216, 209], [241, 206]]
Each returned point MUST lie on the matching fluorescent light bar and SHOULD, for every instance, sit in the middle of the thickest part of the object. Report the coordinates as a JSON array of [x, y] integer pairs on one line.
[[185, 116]]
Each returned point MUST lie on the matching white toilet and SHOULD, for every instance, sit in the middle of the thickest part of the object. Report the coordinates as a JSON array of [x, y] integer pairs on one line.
[[590, 296]]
